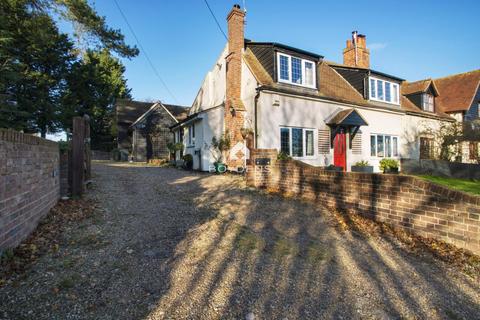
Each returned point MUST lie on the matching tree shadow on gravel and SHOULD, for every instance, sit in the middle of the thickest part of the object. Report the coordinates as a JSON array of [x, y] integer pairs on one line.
[[187, 245], [294, 263]]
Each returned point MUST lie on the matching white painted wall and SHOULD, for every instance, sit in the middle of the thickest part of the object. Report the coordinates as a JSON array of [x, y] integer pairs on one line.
[[208, 124], [209, 106], [212, 91], [276, 110], [248, 93]]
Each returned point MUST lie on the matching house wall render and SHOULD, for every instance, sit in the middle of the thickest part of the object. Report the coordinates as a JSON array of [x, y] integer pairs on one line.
[[29, 184], [406, 202]]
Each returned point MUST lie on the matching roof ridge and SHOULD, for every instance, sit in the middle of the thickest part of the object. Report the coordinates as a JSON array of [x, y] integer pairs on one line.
[[422, 80], [458, 74]]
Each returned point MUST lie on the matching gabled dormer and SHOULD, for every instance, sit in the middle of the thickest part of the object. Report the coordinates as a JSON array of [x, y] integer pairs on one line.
[[422, 94]]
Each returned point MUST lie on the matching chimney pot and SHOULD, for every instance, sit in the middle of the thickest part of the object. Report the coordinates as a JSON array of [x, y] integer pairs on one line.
[[236, 6]]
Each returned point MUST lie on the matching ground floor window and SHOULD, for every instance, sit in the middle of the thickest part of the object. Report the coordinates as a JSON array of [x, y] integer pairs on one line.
[[382, 145], [426, 148], [297, 142], [473, 150]]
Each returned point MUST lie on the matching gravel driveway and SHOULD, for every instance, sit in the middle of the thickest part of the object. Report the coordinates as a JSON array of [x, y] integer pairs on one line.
[[176, 244]]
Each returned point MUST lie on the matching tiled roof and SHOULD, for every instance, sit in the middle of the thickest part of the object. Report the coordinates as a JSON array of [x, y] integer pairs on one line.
[[179, 112], [332, 86], [457, 91], [417, 86], [129, 110], [259, 72]]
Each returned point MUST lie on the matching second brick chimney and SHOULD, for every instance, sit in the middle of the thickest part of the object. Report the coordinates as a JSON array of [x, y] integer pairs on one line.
[[234, 108], [356, 54]]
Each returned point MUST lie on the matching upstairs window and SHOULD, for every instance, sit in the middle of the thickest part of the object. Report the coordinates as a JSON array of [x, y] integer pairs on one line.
[[284, 69], [296, 71], [373, 89], [427, 102], [385, 91]]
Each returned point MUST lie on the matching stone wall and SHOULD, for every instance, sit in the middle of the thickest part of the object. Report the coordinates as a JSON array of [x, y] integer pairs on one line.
[[403, 201], [29, 184]]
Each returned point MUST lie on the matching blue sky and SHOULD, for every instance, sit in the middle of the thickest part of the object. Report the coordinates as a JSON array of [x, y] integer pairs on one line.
[[409, 39]]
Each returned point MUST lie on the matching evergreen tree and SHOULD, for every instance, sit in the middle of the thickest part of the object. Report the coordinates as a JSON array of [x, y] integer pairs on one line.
[[93, 85]]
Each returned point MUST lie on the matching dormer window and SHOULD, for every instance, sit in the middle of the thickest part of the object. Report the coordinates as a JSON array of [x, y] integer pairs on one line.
[[427, 102], [385, 91], [297, 71]]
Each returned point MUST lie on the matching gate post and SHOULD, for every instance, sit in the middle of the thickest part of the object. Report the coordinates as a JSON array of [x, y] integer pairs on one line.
[[78, 156], [88, 152]]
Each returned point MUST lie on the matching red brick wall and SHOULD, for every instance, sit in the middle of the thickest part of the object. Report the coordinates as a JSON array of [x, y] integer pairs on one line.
[[234, 108], [29, 184], [407, 202]]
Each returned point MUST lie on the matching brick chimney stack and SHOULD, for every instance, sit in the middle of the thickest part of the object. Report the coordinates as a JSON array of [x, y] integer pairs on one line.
[[234, 108], [356, 54]]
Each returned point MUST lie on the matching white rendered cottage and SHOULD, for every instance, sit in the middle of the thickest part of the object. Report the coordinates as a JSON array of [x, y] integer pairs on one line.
[[316, 111]]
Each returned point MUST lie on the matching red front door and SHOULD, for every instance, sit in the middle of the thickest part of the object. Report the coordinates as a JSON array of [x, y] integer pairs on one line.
[[340, 150]]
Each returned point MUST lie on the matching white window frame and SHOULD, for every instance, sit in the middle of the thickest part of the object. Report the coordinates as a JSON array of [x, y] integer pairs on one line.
[[393, 93], [304, 142], [289, 81], [425, 102], [392, 137]]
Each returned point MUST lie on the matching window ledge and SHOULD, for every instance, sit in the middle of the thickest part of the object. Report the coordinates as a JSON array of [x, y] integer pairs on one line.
[[296, 84]]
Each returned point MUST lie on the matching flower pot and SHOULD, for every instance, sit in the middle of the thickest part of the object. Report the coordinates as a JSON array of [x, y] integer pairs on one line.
[[390, 170], [364, 169], [220, 167], [333, 168]]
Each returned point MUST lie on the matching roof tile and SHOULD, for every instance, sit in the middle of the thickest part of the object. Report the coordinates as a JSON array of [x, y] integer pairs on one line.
[[457, 91]]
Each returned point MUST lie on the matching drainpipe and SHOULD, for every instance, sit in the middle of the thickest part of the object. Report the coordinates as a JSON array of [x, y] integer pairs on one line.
[[255, 116]]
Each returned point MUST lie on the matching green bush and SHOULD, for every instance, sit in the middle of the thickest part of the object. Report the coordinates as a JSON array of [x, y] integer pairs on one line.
[[187, 157], [283, 156], [219, 146], [188, 161], [173, 147], [363, 163], [64, 146], [388, 164]]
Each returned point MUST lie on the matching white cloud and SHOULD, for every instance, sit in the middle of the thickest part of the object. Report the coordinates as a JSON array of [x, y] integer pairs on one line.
[[376, 46]]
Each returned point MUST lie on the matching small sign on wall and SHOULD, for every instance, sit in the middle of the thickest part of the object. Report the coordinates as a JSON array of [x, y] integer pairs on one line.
[[262, 161]]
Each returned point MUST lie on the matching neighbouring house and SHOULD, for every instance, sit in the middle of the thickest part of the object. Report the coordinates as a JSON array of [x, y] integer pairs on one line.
[[127, 112], [458, 96], [314, 110], [144, 128]]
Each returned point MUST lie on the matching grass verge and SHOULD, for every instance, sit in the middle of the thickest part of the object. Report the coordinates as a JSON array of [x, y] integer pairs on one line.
[[470, 186]]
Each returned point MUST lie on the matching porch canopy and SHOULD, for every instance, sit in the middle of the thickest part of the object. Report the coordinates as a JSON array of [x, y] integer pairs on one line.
[[349, 120]]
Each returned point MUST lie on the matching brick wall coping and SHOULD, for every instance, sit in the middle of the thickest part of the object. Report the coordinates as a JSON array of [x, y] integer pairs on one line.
[[454, 195], [10, 135]]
